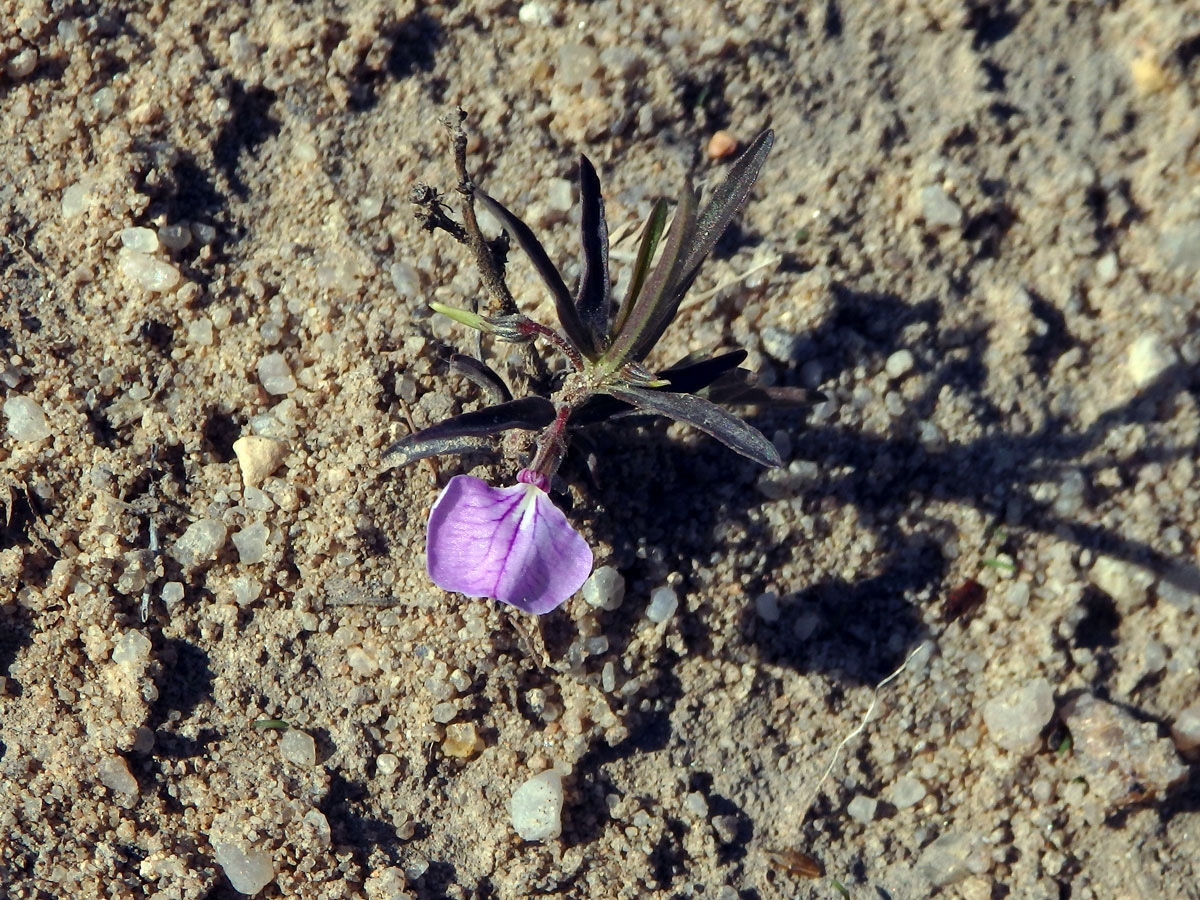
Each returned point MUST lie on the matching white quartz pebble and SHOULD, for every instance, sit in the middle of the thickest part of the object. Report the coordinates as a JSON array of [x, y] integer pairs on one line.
[[536, 807], [248, 868], [26, 421]]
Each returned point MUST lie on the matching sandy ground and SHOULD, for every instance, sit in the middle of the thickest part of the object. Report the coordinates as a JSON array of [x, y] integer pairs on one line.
[[978, 235]]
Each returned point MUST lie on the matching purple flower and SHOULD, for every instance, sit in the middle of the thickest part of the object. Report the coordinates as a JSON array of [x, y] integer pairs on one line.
[[511, 544]]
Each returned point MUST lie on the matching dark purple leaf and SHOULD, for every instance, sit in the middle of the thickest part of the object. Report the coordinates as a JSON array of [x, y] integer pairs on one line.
[[648, 309], [687, 377], [529, 413], [411, 449], [482, 376], [593, 302], [641, 267], [664, 291], [727, 199], [739, 389], [707, 417], [521, 233]]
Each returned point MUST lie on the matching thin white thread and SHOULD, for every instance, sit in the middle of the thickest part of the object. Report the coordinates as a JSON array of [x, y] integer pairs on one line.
[[861, 727]]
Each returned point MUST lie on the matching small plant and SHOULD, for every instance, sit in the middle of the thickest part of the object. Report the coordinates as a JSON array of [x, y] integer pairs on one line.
[[513, 544]]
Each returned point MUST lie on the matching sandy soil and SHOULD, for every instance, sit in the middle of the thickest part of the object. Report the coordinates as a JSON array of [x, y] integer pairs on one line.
[[978, 235]]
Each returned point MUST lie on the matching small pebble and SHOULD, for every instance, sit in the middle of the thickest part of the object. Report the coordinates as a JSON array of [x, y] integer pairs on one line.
[[175, 237], [23, 63], [249, 869], [1148, 75], [258, 457], [172, 592], [950, 859], [1015, 720], [899, 364], [608, 677], [251, 543], [767, 606], [405, 279], [576, 64], [1118, 754], [540, 14], [246, 588], [387, 763], [114, 774], [779, 344], [387, 884], [663, 603], [560, 195], [26, 421], [536, 807], [462, 740], [1127, 583], [200, 543], [132, 651], [444, 712], [1106, 269], [1186, 729], [151, 273], [721, 144], [1148, 358], [298, 747], [362, 662], [275, 375], [200, 332], [726, 828], [907, 791], [604, 588], [939, 208], [78, 198], [862, 809], [141, 240], [315, 819]]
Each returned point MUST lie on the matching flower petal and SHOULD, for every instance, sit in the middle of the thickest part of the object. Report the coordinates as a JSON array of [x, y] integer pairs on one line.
[[511, 544]]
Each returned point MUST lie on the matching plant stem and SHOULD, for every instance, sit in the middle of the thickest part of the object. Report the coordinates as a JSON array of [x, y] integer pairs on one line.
[[537, 329], [552, 445]]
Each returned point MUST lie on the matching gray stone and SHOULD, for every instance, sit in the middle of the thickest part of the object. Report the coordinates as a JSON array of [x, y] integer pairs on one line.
[[1015, 720], [939, 208]]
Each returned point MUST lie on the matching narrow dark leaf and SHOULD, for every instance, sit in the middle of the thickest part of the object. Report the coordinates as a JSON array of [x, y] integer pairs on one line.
[[727, 199], [641, 267], [689, 376], [595, 409], [521, 233], [706, 416], [482, 376], [686, 376], [411, 450], [739, 389], [529, 413], [647, 309], [593, 302]]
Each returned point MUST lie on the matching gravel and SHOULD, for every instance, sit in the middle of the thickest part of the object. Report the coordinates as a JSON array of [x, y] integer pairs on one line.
[[536, 807], [663, 603], [248, 868], [27, 422], [275, 375], [1038, 443], [1016, 719], [604, 589], [298, 747]]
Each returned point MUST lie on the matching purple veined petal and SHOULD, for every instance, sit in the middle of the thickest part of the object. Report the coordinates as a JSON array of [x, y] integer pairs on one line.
[[511, 544]]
